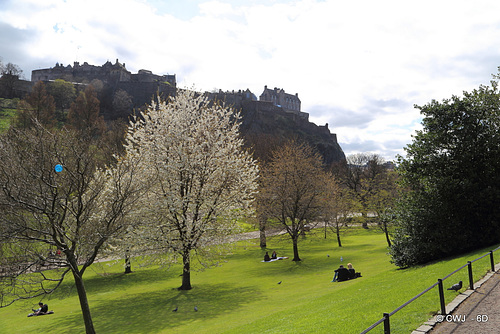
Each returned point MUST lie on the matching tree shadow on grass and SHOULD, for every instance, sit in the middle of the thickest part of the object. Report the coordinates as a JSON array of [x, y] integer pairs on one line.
[[153, 312], [103, 282]]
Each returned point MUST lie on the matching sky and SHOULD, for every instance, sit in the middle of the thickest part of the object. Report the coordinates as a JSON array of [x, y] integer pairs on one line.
[[360, 66]]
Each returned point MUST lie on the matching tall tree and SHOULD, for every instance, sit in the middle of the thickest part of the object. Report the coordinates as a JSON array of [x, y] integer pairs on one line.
[[122, 104], [64, 94], [362, 175], [293, 184], [383, 201], [42, 210], [193, 151], [336, 208], [37, 105], [84, 113], [11, 74], [451, 171], [262, 147]]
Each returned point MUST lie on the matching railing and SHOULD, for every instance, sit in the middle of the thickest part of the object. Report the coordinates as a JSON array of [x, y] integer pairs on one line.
[[386, 316]]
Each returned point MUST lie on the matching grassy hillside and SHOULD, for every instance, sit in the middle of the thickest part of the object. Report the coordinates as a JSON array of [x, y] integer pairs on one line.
[[7, 112], [243, 294]]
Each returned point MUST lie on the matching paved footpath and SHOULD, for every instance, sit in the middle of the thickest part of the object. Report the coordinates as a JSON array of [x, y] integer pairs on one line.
[[479, 313]]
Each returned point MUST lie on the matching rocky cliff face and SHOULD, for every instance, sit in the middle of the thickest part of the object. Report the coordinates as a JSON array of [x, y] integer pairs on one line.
[[265, 120]]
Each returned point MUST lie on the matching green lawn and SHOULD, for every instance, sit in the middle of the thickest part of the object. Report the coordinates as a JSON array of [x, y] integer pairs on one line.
[[243, 294], [7, 112]]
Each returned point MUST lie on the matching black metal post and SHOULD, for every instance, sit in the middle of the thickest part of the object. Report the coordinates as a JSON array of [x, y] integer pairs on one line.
[[387, 325], [492, 261], [471, 279], [441, 296]]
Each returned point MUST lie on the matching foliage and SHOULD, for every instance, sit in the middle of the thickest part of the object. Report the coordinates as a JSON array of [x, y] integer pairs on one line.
[[262, 146], [39, 106], [64, 94], [202, 178], [10, 75], [74, 211], [84, 113], [451, 171], [122, 103], [336, 209], [368, 184]]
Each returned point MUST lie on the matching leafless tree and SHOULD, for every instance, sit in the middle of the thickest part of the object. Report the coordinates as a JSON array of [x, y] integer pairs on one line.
[[335, 209], [262, 147], [362, 175], [292, 188], [57, 219]]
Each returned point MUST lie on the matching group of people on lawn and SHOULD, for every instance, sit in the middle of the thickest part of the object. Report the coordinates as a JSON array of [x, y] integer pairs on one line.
[[344, 274], [268, 258], [273, 257], [341, 274]]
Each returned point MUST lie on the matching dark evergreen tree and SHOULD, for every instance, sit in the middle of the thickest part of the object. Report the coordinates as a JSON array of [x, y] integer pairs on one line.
[[10, 74], [451, 172]]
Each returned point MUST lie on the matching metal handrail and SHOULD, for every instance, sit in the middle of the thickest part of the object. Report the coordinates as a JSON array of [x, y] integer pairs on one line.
[[385, 318]]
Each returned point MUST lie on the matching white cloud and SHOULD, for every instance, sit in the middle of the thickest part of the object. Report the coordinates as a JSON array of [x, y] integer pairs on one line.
[[359, 66]]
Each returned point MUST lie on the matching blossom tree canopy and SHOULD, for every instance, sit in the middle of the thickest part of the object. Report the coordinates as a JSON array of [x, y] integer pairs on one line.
[[202, 177]]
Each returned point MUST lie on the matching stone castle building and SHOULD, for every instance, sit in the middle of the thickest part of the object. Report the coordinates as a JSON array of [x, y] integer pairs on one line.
[[142, 86], [274, 99], [278, 97], [288, 102], [275, 112], [108, 73]]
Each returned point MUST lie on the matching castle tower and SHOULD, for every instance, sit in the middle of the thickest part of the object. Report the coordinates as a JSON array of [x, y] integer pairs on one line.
[[278, 96]]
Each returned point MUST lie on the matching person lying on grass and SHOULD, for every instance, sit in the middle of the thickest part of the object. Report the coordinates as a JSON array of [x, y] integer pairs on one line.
[[42, 310]]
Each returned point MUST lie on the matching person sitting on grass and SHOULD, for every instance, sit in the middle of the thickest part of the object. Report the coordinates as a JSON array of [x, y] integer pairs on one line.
[[42, 310], [274, 256], [341, 274], [266, 257], [352, 272]]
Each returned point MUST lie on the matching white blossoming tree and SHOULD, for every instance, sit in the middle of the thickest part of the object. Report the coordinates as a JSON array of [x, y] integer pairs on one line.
[[203, 179]]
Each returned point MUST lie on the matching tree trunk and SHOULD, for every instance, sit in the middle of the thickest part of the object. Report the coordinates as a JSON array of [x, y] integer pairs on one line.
[[338, 236], [364, 223], [303, 229], [186, 271], [295, 248], [84, 303], [387, 234], [262, 229], [128, 267]]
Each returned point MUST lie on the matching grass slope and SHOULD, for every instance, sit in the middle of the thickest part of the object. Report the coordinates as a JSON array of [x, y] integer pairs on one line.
[[7, 112], [243, 294]]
